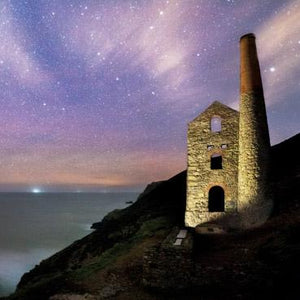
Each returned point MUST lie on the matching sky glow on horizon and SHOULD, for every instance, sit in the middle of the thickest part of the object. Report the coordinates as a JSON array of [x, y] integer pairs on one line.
[[96, 95]]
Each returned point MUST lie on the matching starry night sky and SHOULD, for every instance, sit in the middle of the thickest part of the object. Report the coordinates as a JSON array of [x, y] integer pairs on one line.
[[96, 95]]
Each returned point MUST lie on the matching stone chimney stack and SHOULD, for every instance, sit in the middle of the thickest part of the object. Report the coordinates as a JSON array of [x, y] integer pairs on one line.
[[254, 200]]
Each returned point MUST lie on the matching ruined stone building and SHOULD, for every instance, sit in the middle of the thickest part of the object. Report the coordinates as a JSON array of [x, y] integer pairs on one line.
[[228, 155]]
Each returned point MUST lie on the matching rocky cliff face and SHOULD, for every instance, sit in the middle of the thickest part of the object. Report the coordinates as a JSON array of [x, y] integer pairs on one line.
[[108, 263]]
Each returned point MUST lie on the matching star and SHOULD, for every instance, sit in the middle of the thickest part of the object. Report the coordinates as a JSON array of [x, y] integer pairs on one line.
[[100, 74]]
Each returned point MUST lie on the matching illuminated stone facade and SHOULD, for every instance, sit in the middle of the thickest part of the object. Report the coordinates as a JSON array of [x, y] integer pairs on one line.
[[228, 155], [254, 201], [203, 145]]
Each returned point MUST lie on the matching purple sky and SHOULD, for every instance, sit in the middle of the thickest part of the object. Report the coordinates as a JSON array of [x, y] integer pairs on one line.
[[96, 95]]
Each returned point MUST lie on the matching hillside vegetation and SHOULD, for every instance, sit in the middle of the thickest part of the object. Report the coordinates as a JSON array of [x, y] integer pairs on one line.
[[108, 263]]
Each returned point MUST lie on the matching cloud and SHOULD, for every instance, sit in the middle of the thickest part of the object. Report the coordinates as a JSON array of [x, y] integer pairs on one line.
[[278, 42], [15, 59], [147, 38], [53, 165]]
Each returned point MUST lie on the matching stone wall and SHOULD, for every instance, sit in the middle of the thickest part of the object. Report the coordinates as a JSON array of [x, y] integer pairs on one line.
[[200, 176], [254, 202], [167, 266], [197, 264]]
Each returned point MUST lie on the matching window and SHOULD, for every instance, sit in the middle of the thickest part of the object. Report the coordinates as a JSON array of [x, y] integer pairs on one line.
[[215, 124], [216, 202], [209, 147], [216, 161], [224, 146]]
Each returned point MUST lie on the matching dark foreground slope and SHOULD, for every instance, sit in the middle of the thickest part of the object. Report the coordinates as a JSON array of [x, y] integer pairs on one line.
[[120, 234], [108, 263]]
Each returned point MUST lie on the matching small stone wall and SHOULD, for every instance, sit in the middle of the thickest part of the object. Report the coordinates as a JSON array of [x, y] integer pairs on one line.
[[171, 269], [167, 265]]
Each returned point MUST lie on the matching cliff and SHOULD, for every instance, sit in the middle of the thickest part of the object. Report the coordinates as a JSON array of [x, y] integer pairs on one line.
[[109, 263]]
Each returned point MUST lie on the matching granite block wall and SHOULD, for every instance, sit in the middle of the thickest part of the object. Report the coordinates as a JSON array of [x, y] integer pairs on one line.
[[202, 144]]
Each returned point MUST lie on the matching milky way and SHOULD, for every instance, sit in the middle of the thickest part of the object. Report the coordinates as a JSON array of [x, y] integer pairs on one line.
[[96, 95]]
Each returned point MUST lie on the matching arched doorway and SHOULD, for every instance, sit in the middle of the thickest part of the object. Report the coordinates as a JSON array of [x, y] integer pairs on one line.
[[216, 201]]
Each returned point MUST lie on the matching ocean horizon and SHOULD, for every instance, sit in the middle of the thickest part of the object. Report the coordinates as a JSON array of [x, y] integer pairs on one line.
[[34, 226]]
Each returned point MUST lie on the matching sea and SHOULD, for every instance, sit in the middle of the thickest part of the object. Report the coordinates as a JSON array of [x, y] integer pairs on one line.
[[35, 226]]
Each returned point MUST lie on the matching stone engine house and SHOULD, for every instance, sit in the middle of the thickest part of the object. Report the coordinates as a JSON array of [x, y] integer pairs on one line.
[[228, 154], [212, 164]]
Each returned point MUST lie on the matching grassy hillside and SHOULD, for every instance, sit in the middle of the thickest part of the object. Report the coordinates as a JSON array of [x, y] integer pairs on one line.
[[107, 264]]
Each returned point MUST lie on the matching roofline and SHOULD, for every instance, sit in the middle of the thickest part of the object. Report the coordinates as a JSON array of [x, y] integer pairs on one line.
[[213, 103]]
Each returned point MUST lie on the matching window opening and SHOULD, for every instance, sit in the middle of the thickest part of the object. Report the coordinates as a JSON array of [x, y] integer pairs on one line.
[[216, 161], [215, 124]]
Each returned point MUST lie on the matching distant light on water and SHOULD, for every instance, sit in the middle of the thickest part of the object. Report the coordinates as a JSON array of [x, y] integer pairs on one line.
[[48, 223]]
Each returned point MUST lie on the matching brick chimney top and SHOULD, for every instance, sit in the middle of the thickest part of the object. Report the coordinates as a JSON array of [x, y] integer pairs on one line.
[[247, 36]]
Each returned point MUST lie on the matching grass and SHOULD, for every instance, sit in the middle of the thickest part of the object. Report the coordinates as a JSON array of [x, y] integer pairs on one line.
[[158, 226], [150, 227], [105, 259]]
